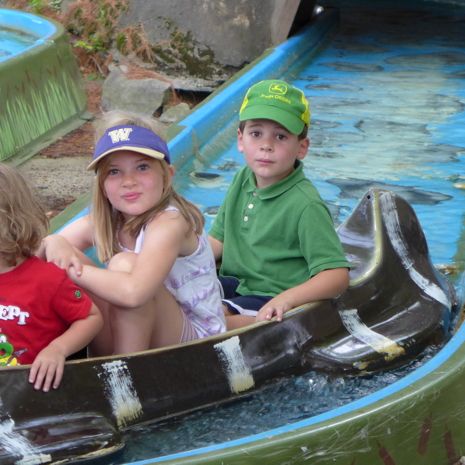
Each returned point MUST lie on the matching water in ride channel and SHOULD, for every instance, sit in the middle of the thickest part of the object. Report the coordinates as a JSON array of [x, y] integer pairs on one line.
[[14, 42], [387, 94]]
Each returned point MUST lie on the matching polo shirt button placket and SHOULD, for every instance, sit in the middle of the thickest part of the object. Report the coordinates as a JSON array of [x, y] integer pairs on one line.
[[249, 206], [248, 211]]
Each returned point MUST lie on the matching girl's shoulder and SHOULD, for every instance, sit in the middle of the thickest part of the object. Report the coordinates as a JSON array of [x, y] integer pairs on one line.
[[169, 213], [171, 229], [169, 219]]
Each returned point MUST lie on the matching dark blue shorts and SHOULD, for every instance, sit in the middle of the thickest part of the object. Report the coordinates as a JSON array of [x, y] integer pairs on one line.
[[240, 304]]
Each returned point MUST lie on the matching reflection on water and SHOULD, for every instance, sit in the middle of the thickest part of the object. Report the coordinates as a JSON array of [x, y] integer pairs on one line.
[[387, 97], [356, 188], [14, 41], [392, 82]]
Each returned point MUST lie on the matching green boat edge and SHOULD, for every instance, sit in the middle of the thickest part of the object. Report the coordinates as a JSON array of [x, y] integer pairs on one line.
[[416, 420]]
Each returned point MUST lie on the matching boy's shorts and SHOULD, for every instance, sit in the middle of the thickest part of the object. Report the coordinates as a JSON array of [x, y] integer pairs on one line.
[[240, 304]]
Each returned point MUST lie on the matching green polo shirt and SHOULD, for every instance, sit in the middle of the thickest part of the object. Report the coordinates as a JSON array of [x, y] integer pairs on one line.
[[276, 237]]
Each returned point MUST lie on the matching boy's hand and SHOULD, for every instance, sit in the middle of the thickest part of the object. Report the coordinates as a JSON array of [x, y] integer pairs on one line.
[[47, 369], [275, 307], [327, 284]]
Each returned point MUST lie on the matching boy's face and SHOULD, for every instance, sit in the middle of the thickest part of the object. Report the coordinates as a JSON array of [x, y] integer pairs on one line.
[[270, 150]]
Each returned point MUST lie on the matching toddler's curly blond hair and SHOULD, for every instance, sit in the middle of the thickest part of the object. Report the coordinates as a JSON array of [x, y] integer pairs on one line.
[[23, 222]]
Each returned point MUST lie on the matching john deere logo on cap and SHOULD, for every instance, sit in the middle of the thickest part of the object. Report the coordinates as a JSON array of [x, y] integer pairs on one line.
[[278, 101], [278, 88], [120, 135]]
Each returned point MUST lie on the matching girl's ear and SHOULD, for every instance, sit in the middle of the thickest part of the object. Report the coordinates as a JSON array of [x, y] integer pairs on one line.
[[172, 170]]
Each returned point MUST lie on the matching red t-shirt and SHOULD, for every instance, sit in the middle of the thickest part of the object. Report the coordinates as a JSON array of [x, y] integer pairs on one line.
[[38, 303]]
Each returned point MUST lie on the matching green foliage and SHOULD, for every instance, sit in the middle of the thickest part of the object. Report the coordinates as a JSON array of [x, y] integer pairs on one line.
[[94, 23], [42, 6], [120, 41], [93, 45], [37, 6], [55, 4], [93, 26]]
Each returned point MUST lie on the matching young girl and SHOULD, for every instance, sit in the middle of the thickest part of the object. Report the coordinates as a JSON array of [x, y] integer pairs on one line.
[[44, 316], [159, 286]]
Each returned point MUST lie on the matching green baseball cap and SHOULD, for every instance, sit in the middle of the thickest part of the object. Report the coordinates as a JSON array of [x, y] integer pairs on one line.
[[278, 101]]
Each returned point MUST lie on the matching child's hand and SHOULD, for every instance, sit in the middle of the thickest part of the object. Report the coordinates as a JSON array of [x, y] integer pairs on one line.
[[59, 251], [275, 307], [47, 369]]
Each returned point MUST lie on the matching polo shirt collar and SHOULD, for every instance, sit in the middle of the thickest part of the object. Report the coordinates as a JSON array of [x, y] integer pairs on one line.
[[275, 189]]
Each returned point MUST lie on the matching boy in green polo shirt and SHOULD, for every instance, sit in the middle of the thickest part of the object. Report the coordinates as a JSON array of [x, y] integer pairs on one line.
[[273, 234]]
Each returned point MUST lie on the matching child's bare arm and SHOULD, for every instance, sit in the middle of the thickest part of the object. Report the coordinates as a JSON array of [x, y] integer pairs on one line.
[[47, 368], [217, 247], [164, 237], [325, 285], [63, 248]]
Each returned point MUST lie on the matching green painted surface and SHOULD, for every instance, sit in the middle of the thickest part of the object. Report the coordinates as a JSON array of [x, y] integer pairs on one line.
[[41, 97], [70, 212]]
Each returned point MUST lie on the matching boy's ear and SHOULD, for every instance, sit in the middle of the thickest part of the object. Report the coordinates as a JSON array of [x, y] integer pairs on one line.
[[240, 146], [304, 144]]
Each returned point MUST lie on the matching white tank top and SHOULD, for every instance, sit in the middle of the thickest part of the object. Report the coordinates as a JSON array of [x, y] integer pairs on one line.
[[195, 286]]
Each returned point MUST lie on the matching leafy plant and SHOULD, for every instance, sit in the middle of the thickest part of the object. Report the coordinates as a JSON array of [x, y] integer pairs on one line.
[[37, 6]]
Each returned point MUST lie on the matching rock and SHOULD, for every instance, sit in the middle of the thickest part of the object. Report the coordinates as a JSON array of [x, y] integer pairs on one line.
[[199, 35], [145, 95], [193, 84], [175, 113]]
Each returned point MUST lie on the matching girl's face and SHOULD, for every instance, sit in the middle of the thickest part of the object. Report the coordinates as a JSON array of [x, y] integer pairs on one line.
[[270, 150], [133, 183]]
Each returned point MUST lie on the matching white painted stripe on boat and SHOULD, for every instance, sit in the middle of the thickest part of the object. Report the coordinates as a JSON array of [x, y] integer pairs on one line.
[[358, 329], [240, 377], [120, 390], [16, 444], [391, 220]]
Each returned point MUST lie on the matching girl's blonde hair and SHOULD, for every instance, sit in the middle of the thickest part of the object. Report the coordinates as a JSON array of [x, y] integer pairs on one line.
[[106, 220], [23, 222]]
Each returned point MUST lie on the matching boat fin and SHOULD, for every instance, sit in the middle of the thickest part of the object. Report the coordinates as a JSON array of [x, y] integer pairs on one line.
[[397, 302]]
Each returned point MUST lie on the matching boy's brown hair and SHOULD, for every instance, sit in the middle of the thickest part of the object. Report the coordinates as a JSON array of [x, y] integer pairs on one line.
[[301, 136]]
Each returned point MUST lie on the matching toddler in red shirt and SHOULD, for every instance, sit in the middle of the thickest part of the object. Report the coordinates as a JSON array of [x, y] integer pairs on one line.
[[44, 316]]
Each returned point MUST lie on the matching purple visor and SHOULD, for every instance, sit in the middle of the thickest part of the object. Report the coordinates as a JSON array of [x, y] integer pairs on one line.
[[133, 138]]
